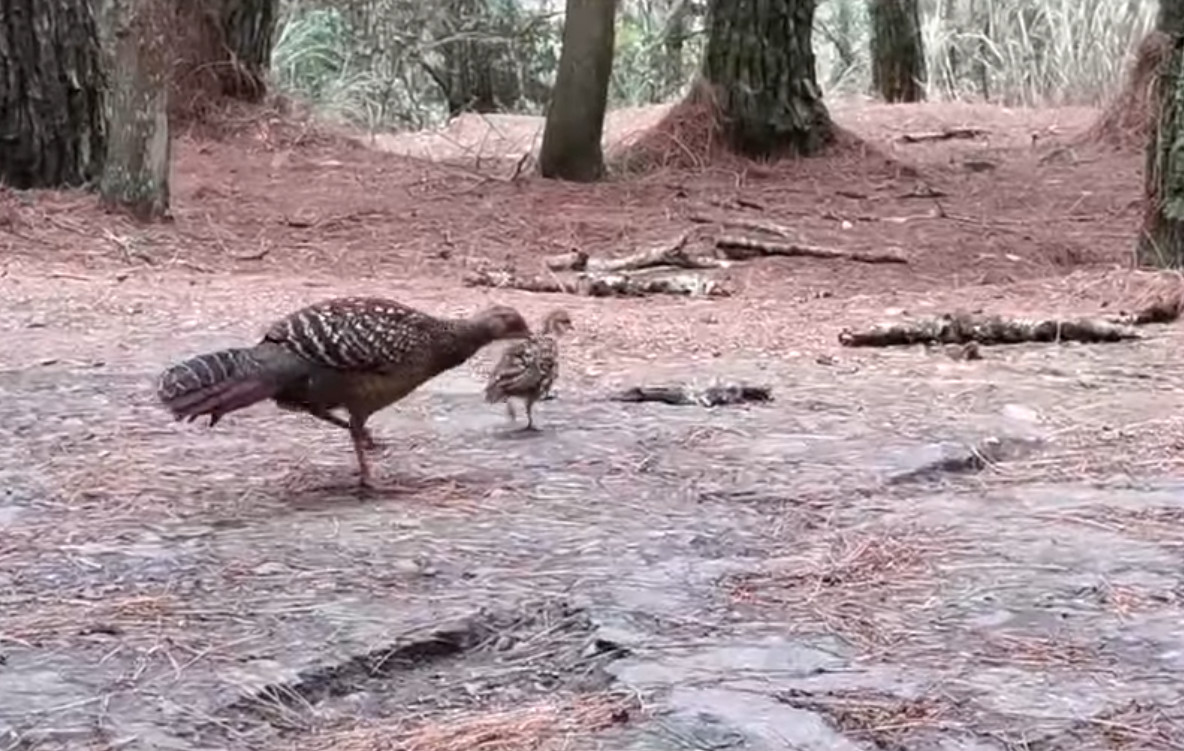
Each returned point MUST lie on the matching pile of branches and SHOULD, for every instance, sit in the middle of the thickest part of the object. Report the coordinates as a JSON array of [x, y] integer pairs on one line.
[[670, 267]]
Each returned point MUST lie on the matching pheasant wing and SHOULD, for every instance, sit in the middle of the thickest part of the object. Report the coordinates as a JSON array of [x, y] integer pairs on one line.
[[356, 333]]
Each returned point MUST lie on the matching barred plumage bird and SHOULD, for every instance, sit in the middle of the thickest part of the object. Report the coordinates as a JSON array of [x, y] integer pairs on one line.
[[357, 354], [527, 369]]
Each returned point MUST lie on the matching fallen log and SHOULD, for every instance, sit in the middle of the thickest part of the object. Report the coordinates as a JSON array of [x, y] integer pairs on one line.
[[1164, 310], [601, 285], [986, 330], [746, 248], [713, 396]]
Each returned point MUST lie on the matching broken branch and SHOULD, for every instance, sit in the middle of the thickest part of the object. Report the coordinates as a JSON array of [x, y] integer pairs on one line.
[[671, 253], [943, 135], [712, 396], [986, 330], [744, 248], [748, 225]]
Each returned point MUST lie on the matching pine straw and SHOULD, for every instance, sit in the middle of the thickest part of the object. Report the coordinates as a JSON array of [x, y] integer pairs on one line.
[[885, 721], [64, 619], [867, 588], [892, 722], [536, 727], [689, 136], [1126, 122]]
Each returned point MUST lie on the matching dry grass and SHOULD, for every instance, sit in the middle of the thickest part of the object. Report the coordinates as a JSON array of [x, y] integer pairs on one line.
[[543, 726]]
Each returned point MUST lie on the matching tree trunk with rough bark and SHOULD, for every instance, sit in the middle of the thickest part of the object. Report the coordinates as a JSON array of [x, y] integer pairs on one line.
[[897, 50], [223, 49], [136, 173], [571, 147], [52, 126], [760, 62], [1161, 243]]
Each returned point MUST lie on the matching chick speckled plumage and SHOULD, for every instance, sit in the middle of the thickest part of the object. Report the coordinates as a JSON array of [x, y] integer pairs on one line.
[[528, 368], [356, 354]]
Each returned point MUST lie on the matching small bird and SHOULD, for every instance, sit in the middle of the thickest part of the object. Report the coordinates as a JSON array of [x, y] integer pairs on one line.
[[357, 354], [528, 368]]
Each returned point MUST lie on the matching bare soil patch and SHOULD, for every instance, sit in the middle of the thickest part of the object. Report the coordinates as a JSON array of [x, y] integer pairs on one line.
[[844, 564]]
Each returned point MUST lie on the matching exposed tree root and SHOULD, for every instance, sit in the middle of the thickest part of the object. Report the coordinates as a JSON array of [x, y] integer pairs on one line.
[[712, 396], [987, 330]]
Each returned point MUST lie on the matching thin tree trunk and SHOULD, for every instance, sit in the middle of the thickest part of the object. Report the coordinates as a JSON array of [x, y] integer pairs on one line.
[[136, 173], [52, 128], [760, 60], [673, 39], [571, 147], [897, 50], [1162, 241]]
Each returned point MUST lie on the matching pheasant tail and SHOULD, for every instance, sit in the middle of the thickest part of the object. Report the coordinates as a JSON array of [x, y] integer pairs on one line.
[[217, 383]]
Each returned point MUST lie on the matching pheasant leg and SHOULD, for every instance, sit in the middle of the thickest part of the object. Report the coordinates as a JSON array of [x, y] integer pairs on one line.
[[359, 435], [368, 442], [510, 410]]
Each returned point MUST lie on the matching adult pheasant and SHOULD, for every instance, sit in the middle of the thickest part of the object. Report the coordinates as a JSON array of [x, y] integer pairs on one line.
[[356, 354], [527, 369]]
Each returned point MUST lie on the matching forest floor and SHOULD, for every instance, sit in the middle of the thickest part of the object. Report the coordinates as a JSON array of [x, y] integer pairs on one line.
[[839, 568]]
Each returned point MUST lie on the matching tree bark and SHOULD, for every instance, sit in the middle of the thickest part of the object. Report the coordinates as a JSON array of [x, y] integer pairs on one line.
[[136, 173], [760, 61], [571, 147], [1161, 243], [224, 49], [52, 129], [897, 50]]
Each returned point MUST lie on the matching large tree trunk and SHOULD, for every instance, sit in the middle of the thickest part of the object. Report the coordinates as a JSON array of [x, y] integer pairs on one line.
[[898, 54], [52, 127], [760, 61], [136, 173], [1162, 241], [224, 50], [575, 118]]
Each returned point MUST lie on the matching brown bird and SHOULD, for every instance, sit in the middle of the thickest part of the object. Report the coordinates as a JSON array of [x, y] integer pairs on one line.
[[357, 354], [527, 369]]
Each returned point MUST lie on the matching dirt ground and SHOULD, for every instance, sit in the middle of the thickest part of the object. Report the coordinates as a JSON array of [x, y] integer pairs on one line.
[[834, 569]]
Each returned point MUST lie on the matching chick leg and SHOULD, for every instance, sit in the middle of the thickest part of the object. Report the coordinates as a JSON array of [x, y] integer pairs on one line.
[[529, 415]]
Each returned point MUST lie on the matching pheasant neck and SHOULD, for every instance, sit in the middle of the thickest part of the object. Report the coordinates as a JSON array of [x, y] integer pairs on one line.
[[462, 339]]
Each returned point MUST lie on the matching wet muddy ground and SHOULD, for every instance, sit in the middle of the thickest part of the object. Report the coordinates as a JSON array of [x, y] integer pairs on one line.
[[832, 570]]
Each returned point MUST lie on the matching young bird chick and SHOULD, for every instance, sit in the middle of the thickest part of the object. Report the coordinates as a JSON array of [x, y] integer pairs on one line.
[[528, 368]]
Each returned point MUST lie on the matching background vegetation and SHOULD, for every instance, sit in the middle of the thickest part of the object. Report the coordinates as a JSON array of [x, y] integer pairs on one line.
[[381, 63]]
